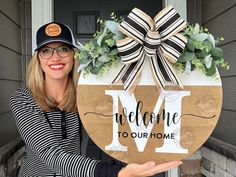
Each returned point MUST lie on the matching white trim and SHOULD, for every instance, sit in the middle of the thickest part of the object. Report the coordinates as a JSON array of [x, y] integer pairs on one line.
[[42, 12], [173, 173], [181, 8], [179, 5]]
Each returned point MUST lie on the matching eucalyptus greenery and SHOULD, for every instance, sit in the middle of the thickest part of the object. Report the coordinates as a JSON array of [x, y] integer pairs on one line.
[[201, 52], [101, 54]]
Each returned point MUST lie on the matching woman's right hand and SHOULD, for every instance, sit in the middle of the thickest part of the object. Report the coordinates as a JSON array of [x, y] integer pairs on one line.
[[146, 169]]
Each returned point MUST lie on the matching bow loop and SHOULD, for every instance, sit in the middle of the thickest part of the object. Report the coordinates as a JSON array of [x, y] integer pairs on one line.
[[129, 50], [168, 22], [137, 25], [173, 47], [158, 39]]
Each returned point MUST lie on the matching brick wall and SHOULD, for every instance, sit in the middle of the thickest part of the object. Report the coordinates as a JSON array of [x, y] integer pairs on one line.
[[216, 165], [215, 159], [12, 165], [11, 156]]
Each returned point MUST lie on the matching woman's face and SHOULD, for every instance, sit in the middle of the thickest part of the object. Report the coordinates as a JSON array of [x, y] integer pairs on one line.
[[57, 60]]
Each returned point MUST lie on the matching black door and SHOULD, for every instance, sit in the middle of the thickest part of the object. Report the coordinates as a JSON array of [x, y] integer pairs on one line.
[[81, 16]]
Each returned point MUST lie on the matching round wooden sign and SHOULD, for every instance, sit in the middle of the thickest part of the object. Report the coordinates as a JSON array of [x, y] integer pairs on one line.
[[149, 124]]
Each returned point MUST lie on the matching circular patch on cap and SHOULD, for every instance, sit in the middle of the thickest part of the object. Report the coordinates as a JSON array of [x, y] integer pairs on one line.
[[53, 29]]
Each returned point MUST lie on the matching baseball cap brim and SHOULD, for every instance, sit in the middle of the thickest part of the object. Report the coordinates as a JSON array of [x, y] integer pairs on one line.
[[55, 40]]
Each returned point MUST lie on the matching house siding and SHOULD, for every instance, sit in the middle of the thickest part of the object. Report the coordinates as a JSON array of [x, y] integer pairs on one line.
[[10, 64], [217, 157], [217, 16], [15, 51]]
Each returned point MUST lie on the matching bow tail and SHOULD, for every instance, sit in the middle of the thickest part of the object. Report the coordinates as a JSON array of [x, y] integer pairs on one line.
[[120, 74], [163, 71], [130, 73], [172, 73]]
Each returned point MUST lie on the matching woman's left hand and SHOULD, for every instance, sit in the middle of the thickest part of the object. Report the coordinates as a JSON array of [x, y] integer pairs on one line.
[[147, 169]]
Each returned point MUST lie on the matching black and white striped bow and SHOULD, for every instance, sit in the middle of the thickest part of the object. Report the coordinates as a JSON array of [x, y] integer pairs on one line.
[[157, 40]]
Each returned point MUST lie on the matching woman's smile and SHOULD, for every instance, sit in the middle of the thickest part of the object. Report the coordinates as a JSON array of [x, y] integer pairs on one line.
[[57, 66]]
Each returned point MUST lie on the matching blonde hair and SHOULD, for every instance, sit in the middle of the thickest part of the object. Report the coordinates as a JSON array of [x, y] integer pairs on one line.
[[35, 82]]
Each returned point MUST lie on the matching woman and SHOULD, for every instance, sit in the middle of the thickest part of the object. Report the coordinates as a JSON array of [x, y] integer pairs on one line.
[[47, 118]]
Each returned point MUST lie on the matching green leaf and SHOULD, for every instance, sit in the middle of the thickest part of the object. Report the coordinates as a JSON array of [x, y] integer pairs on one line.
[[219, 40], [217, 52], [112, 26], [200, 37], [113, 52], [225, 65], [179, 66], [106, 49], [118, 36], [100, 38], [196, 29], [91, 45], [103, 50], [186, 56], [208, 61], [199, 45], [105, 39], [98, 64], [81, 47], [110, 42], [84, 58], [186, 31], [196, 62], [187, 67], [211, 39], [201, 53], [94, 54], [95, 70], [191, 45], [83, 65], [212, 70], [85, 61], [104, 58], [208, 46]]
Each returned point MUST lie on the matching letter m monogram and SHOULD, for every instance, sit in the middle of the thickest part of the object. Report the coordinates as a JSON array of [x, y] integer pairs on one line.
[[129, 102]]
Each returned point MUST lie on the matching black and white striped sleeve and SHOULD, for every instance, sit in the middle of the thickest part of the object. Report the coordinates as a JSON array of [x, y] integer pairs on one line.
[[38, 136], [102, 169]]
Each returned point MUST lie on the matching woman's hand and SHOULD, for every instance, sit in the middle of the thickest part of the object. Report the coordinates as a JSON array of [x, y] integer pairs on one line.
[[146, 169]]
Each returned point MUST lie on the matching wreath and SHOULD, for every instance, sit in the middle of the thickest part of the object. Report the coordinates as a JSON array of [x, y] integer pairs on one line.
[[100, 54]]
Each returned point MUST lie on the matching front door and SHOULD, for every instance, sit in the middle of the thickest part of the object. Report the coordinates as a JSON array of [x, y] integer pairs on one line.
[[81, 16]]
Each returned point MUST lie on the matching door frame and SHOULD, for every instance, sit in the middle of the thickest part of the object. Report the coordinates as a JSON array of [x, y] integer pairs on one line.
[[43, 12]]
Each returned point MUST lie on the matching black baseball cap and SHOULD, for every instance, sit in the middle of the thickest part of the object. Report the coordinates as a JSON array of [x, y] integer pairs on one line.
[[54, 32]]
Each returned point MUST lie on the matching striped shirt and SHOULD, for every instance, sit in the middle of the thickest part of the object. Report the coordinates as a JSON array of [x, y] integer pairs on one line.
[[53, 141]]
